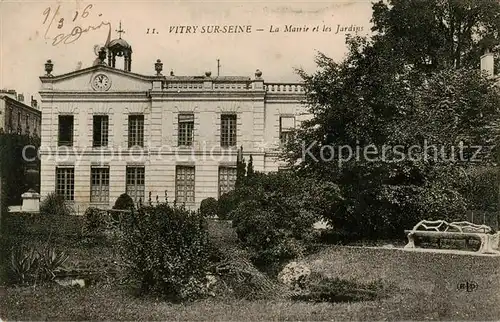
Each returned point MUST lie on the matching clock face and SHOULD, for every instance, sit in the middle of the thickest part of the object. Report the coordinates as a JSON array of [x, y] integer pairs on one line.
[[101, 82]]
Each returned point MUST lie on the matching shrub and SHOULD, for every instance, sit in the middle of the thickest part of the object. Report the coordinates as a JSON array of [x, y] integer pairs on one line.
[[295, 275], [167, 250], [54, 205], [124, 202], [276, 213], [4, 208], [482, 188], [326, 289], [239, 278], [209, 207], [226, 204], [385, 212], [30, 265], [94, 221]]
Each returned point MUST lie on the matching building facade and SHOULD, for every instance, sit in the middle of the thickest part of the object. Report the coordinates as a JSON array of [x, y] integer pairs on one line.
[[107, 130], [17, 117]]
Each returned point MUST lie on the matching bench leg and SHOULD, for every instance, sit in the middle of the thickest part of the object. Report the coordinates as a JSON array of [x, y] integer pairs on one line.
[[411, 241], [483, 249]]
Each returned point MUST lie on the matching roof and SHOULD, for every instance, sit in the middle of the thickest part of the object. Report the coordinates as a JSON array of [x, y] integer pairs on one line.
[[145, 77], [18, 103], [119, 42]]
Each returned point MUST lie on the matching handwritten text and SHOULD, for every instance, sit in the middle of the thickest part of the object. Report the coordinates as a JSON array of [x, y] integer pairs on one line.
[[76, 31]]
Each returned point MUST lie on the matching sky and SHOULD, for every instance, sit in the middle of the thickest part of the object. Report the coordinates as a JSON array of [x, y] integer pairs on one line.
[[31, 33]]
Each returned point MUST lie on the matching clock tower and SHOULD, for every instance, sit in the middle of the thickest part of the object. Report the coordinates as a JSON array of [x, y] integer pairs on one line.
[[120, 48]]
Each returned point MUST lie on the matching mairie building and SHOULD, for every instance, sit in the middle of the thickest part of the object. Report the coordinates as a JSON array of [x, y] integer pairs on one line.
[[107, 130]]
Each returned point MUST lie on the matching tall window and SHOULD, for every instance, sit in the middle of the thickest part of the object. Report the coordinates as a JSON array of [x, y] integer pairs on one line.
[[135, 130], [99, 184], [65, 130], [184, 184], [135, 183], [228, 130], [227, 179], [186, 127], [100, 135], [287, 125], [65, 183]]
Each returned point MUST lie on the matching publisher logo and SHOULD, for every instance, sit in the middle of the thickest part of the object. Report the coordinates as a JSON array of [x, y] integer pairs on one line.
[[468, 286]]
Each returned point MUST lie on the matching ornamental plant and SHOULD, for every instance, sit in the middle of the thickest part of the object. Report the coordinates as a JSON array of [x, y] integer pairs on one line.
[[167, 250]]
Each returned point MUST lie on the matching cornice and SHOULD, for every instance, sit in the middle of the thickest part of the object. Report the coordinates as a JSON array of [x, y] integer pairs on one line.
[[52, 79], [87, 96], [206, 93], [163, 96], [154, 151], [278, 97]]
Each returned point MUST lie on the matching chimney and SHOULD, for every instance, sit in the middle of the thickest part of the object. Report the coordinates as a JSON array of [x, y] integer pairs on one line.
[[488, 63], [34, 103], [20, 98], [10, 93]]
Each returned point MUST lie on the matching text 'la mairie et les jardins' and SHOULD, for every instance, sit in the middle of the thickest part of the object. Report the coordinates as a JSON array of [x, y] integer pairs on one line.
[[233, 29]]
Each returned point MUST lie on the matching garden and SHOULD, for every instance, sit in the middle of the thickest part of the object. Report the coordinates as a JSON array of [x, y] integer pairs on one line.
[[253, 253], [262, 260]]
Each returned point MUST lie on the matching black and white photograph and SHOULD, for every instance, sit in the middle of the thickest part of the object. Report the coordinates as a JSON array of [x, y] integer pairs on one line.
[[249, 160]]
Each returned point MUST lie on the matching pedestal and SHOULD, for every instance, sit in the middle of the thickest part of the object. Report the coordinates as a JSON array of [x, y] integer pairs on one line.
[[31, 201]]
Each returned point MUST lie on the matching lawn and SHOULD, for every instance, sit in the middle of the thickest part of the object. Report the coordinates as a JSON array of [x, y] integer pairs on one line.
[[424, 287]]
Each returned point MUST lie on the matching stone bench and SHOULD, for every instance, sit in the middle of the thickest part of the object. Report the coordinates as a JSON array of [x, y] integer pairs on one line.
[[442, 230]]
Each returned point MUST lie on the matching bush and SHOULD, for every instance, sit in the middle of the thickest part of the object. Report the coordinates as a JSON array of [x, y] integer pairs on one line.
[[94, 221], [209, 207], [124, 202], [276, 213], [385, 212], [29, 265], [54, 205], [482, 189], [326, 289], [4, 208], [240, 279], [227, 203], [167, 251]]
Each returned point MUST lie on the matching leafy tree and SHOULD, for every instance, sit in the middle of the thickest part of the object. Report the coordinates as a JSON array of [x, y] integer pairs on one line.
[[437, 34], [250, 171], [240, 168], [17, 179], [383, 93]]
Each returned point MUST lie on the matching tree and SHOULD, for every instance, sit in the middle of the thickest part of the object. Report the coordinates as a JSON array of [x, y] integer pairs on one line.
[[240, 168], [250, 171], [381, 95], [437, 34], [17, 169]]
